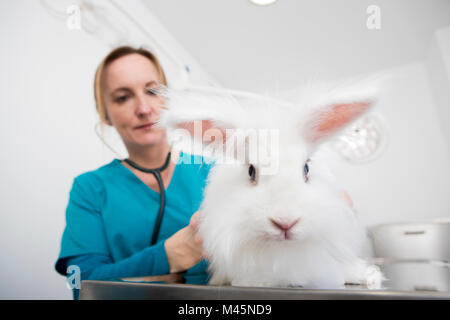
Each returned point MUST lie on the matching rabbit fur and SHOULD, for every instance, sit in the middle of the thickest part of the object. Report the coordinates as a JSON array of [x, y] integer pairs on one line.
[[240, 216]]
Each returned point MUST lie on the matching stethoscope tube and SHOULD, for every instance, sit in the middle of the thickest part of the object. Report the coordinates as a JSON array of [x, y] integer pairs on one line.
[[157, 173]]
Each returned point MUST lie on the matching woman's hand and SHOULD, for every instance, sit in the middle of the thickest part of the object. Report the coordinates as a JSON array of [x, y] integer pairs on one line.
[[184, 249]]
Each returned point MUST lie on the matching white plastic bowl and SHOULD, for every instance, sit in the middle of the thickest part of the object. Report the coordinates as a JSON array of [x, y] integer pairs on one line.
[[412, 241], [417, 276]]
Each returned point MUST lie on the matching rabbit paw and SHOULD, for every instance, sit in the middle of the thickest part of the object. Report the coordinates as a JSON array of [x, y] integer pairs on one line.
[[367, 275], [373, 278]]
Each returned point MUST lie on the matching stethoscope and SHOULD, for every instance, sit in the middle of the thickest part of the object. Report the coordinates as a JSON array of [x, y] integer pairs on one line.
[[157, 173]]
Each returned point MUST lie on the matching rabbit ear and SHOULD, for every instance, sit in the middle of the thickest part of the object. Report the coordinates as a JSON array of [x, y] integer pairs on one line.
[[336, 112], [330, 120], [205, 116], [211, 130]]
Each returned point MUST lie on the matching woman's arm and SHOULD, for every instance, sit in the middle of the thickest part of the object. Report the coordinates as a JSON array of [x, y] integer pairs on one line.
[[150, 261], [178, 253]]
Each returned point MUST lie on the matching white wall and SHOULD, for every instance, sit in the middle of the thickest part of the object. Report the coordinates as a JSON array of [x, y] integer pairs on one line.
[[410, 181], [438, 64], [47, 120]]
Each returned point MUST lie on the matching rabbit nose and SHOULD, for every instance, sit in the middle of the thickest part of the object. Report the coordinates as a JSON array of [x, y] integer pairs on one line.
[[284, 225]]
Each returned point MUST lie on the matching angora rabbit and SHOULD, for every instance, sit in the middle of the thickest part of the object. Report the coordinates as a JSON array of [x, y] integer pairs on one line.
[[274, 216]]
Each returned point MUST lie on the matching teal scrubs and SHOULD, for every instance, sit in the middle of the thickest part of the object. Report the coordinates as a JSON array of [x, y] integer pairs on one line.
[[111, 213]]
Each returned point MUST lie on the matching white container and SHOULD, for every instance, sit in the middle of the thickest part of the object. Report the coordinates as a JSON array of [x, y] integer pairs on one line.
[[412, 241], [416, 276]]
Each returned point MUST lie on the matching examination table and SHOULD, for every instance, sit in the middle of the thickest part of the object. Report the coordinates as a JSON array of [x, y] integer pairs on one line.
[[108, 290]]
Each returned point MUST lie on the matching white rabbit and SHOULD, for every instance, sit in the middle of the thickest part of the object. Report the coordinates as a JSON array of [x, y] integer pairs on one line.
[[287, 226]]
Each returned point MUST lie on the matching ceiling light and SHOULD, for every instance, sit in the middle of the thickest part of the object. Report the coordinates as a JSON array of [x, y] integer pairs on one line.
[[364, 141], [262, 2]]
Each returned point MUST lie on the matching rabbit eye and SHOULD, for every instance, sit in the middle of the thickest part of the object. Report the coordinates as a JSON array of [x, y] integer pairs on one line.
[[306, 171], [252, 173]]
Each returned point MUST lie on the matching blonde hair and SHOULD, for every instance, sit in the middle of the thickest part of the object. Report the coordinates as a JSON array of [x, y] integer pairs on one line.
[[112, 56]]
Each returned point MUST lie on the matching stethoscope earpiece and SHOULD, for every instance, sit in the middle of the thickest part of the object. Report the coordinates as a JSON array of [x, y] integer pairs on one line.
[[96, 128]]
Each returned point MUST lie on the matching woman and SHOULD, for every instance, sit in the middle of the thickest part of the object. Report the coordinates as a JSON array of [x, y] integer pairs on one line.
[[112, 211]]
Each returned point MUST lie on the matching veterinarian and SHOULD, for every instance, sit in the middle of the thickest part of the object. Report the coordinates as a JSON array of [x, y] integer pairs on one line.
[[112, 216]]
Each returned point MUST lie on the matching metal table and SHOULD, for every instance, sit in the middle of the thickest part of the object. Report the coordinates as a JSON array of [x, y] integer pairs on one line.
[[108, 290]]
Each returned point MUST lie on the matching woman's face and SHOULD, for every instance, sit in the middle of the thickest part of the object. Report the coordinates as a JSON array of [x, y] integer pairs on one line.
[[130, 102]]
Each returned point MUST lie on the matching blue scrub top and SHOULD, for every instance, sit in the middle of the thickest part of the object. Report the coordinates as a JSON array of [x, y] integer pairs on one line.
[[112, 212]]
